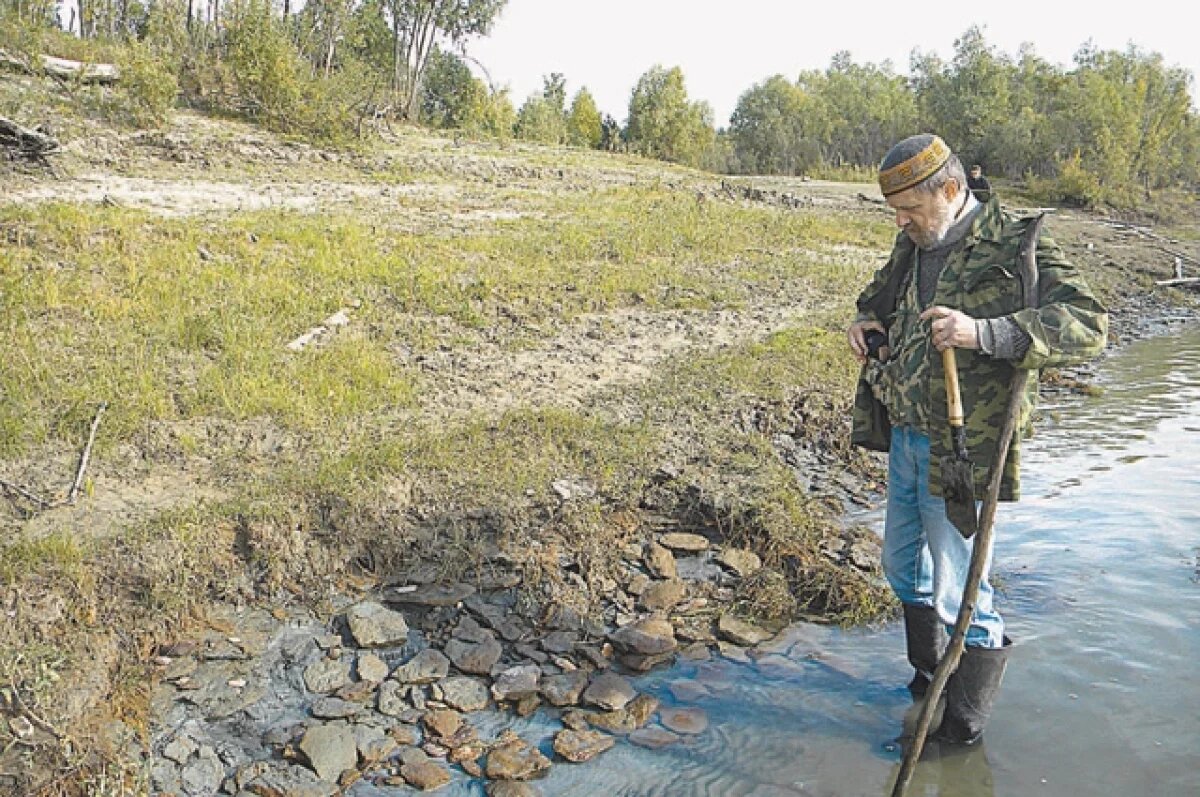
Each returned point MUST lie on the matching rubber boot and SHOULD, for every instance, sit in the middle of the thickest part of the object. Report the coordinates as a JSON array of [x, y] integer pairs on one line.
[[970, 693], [924, 636]]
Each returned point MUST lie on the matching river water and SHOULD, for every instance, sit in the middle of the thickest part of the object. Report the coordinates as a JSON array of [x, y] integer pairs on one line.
[[1099, 582]]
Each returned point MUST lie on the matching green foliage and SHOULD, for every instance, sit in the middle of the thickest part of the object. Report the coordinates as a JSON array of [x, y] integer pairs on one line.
[[538, 120], [773, 129], [266, 67], [451, 96], [495, 116], [583, 121], [664, 123], [148, 87], [1110, 130]]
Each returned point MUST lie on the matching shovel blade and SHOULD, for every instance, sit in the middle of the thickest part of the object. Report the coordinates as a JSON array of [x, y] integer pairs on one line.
[[958, 488]]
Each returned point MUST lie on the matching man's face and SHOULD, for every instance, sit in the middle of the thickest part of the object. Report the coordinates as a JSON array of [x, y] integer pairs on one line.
[[925, 217], [976, 171]]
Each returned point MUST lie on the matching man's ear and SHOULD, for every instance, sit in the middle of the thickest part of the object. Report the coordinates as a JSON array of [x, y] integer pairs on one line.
[[950, 189]]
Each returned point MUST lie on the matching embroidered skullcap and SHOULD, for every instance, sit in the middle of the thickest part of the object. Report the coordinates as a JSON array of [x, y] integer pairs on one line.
[[912, 161]]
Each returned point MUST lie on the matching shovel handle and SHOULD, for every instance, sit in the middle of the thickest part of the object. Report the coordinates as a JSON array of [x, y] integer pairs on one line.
[[954, 405]]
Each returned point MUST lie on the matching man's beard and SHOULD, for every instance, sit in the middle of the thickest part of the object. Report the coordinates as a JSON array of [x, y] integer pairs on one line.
[[942, 222]]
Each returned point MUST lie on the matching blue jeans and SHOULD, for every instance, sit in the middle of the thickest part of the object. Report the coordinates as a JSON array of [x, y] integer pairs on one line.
[[925, 558]]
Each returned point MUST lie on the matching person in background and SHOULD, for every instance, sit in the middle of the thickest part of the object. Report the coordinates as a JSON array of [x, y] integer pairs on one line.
[[952, 281], [979, 184]]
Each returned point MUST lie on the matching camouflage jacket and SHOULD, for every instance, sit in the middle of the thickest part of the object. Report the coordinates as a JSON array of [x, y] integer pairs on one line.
[[980, 278]]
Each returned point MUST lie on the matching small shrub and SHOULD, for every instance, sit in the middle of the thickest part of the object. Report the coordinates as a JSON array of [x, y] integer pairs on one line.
[[148, 88]]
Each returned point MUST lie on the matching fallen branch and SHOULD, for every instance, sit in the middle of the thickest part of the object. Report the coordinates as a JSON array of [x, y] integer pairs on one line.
[[62, 68], [25, 493], [87, 453], [1182, 282], [338, 319], [26, 142], [77, 70]]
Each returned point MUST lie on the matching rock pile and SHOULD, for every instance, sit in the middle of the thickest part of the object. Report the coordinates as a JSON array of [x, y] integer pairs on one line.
[[385, 692]]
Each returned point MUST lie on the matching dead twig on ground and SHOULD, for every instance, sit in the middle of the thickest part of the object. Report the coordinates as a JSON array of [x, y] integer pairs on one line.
[[87, 453], [27, 494], [24, 710], [73, 493]]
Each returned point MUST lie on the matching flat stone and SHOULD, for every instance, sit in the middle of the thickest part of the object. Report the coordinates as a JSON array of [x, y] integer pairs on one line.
[[404, 735], [373, 625], [650, 636], [329, 750], [371, 668], [373, 744], [511, 788], [688, 691], [615, 721], [740, 632], [660, 560], [662, 595], [179, 749], [644, 663], [641, 709], [777, 666], [699, 568], [290, 781], [528, 705], [572, 489], [653, 738], [516, 760], [560, 641], [689, 721], [734, 652], [426, 667], [580, 746], [444, 723], [740, 561], [332, 708], [474, 658], [425, 775], [392, 699], [326, 675], [358, 691], [681, 541], [516, 682], [530, 652], [464, 694], [609, 691], [469, 630], [203, 773], [433, 595], [565, 688], [637, 585]]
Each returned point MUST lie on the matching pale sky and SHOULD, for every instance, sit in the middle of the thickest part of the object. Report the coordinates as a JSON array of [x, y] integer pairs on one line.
[[726, 47]]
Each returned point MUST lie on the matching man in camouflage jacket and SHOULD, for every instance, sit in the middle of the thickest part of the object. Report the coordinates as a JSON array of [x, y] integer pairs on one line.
[[953, 281]]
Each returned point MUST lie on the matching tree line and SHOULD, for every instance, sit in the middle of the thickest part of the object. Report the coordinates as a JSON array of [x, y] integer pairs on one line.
[[1109, 128]]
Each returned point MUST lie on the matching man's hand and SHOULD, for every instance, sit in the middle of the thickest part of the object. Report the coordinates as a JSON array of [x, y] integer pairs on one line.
[[857, 337], [951, 328]]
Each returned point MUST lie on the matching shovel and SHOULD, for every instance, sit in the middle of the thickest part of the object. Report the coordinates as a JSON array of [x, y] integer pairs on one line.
[[958, 477]]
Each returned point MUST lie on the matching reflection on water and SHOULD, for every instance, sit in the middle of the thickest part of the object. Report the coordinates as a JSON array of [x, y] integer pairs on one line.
[[1098, 567]]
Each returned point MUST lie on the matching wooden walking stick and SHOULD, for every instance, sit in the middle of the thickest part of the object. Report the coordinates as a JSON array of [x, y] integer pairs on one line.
[[983, 539]]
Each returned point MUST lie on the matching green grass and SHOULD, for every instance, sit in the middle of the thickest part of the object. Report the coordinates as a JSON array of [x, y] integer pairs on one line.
[[180, 319]]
